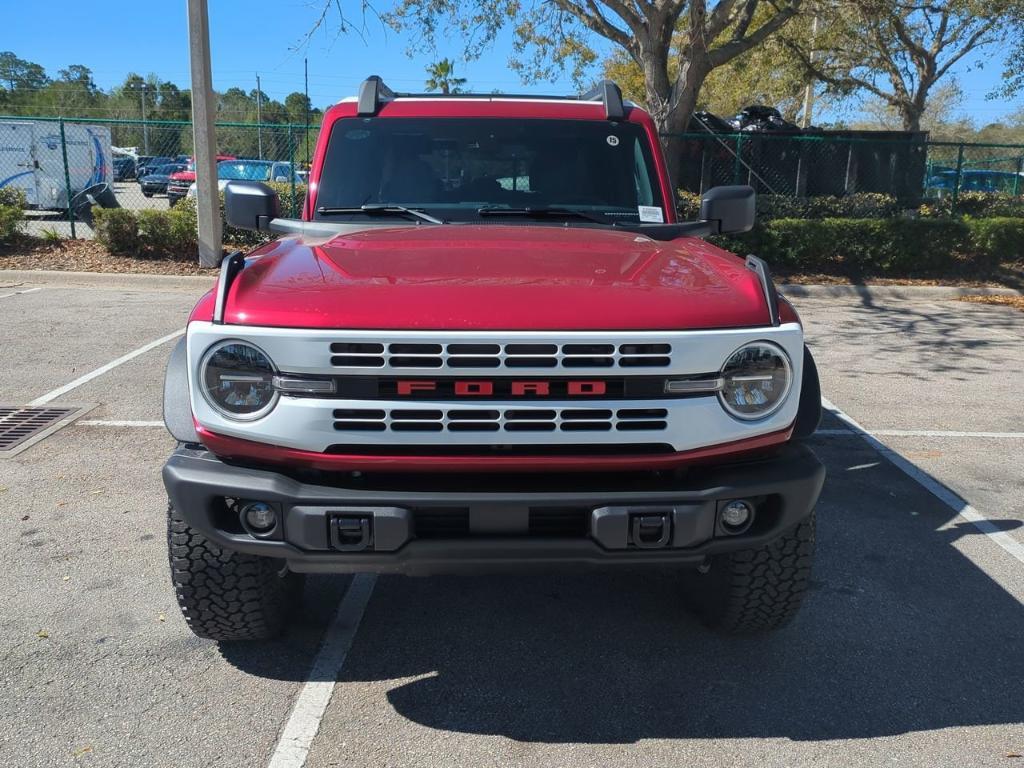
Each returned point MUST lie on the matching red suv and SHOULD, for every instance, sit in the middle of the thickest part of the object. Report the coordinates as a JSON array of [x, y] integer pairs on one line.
[[178, 183], [488, 342]]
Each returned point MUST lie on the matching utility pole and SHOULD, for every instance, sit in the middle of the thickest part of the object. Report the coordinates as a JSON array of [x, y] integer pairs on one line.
[[259, 116], [305, 64], [805, 122], [145, 126], [203, 135]]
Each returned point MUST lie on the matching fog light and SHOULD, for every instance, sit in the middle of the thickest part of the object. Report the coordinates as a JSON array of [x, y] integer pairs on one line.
[[259, 516], [736, 515]]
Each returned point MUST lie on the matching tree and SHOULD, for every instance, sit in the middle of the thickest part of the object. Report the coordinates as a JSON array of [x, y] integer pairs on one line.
[[442, 77], [676, 44], [18, 74], [898, 50], [767, 74], [297, 106]]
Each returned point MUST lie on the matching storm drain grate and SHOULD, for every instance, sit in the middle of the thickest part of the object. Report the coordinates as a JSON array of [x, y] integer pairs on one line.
[[19, 425]]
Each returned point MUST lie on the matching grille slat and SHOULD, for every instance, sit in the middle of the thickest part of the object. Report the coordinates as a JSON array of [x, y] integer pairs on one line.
[[487, 355], [494, 420]]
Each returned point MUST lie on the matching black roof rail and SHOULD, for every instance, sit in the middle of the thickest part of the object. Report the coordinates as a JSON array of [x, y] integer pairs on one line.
[[372, 93], [609, 93]]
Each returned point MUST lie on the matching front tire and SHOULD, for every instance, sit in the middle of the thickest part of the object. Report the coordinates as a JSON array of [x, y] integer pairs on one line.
[[755, 590], [224, 595]]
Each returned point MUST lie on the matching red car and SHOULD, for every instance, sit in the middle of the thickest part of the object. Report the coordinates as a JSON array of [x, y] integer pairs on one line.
[[178, 183], [488, 343]]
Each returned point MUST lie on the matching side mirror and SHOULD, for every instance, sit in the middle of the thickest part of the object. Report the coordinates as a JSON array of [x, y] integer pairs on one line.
[[733, 208], [250, 205]]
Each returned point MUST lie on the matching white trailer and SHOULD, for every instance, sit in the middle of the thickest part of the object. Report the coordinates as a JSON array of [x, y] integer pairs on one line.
[[32, 160]]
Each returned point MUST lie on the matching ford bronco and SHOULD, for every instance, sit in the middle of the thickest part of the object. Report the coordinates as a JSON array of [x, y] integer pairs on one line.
[[489, 343]]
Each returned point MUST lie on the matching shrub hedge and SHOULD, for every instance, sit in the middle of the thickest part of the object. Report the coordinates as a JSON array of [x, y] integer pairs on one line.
[[975, 204], [858, 235], [879, 247], [12, 201], [864, 205], [172, 233]]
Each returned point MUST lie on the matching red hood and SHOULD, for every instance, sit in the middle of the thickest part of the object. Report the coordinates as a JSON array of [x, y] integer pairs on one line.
[[493, 277], [183, 176]]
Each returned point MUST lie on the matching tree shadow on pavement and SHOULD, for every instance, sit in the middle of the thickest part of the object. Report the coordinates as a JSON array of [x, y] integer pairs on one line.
[[900, 633]]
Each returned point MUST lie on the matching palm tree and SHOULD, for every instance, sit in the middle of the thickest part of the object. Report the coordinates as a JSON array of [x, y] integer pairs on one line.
[[442, 77]]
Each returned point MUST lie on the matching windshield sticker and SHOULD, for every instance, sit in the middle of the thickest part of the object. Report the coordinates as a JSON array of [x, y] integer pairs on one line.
[[651, 214], [613, 141]]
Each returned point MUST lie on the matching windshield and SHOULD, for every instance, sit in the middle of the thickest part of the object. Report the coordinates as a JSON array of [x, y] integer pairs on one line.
[[453, 167], [166, 170], [243, 171]]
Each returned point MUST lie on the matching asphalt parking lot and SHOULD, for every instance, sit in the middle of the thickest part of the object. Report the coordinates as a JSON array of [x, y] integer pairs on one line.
[[909, 651]]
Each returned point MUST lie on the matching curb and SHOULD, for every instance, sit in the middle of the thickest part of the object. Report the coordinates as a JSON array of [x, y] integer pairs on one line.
[[109, 279], [919, 292]]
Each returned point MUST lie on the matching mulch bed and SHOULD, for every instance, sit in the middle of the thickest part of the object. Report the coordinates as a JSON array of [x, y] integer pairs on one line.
[[90, 256], [1017, 302]]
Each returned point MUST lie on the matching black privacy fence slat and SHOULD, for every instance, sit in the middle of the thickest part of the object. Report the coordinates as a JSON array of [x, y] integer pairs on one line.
[[906, 166], [61, 167]]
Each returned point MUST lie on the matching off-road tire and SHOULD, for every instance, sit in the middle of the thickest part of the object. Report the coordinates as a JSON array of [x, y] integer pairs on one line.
[[754, 590], [226, 595]]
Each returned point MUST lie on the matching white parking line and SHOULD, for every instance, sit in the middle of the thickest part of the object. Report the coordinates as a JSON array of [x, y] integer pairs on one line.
[[304, 721], [922, 433], [54, 394], [19, 293], [937, 489]]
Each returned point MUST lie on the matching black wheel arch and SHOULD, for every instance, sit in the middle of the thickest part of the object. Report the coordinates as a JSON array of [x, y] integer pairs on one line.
[[177, 405], [808, 415]]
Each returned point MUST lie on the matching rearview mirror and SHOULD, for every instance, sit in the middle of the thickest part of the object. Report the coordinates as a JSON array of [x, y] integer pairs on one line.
[[732, 207], [250, 205]]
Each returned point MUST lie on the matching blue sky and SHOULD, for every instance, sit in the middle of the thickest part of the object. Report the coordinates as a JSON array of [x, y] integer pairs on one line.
[[266, 37]]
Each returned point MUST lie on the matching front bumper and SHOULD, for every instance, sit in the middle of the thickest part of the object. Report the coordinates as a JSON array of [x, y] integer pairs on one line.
[[430, 524]]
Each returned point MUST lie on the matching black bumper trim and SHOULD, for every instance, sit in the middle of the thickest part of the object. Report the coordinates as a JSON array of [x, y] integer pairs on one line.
[[197, 481]]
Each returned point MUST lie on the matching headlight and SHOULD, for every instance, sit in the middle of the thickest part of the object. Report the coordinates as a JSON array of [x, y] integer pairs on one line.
[[237, 380], [755, 381]]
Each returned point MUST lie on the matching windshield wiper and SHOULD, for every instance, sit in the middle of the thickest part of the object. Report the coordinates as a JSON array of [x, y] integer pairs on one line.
[[547, 212], [383, 209]]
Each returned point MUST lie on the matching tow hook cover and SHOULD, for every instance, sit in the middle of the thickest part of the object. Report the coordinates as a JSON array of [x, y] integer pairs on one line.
[[351, 534], [651, 531], [652, 527]]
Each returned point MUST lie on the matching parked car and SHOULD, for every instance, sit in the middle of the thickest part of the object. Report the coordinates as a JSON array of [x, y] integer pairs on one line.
[[146, 166], [941, 183], [253, 170], [124, 168], [179, 183], [489, 343], [155, 182]]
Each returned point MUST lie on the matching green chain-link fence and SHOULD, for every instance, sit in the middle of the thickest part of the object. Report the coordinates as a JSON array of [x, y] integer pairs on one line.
[[63, 165], [905, 166]]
